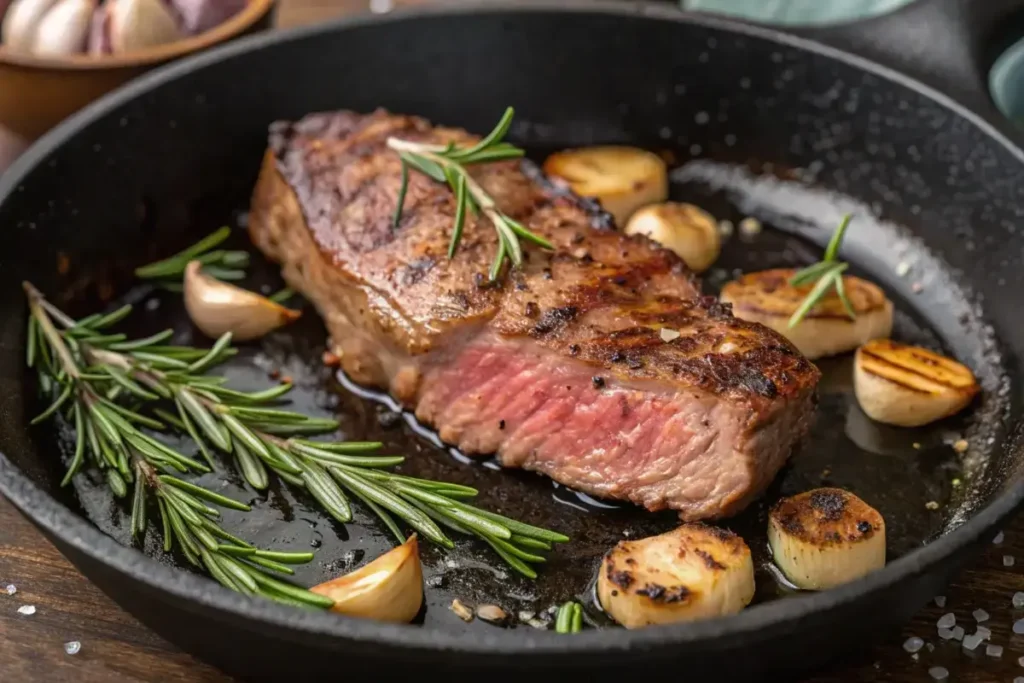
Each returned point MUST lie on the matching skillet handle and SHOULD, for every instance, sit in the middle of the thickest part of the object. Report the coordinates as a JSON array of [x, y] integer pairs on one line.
[[949, 45]]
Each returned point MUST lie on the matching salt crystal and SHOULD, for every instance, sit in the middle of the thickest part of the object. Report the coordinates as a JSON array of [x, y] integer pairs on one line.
[[931, 505], [958, 633], [27, 610], [946, 633], [11, 589], [1018, 627], [940, 600], [913, 644], [1019, 679], [931, 648], [1020, 660], [994, 650], [902, 268], [999, 538], [983, 632], [972, 642], [152, 304], [1008, 560], [725, 228], [72, 647], [980, 615], [750, 226], [939, 673], [1018, 599], [668, 335], [947, 620]]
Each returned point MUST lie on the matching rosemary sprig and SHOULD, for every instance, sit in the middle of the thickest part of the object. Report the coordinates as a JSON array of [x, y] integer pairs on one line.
[[263, 438], [570, 618], [827, 273], [449, 164], [109, 435], [219, 263]]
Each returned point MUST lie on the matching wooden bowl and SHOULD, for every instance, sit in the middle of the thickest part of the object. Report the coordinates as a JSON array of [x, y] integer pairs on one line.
[[36, 93]]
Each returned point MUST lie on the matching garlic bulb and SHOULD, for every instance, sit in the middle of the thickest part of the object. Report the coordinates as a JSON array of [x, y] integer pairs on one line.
[[217, 307], [21, 22], [198, 16], [65, 28], [138, 24], [388, 589]]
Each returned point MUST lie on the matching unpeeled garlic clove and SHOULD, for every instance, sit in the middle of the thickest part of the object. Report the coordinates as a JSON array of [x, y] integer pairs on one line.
[[65, 28], [21, 22], [217, 307], [388, 589], [138, 24], [198, 16], [99, 31]]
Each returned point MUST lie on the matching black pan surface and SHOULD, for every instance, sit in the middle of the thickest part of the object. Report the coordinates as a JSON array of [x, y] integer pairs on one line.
[[759, 125]]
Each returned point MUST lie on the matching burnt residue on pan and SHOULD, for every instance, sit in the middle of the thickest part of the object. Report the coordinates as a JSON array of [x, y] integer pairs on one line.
[[897, 471]]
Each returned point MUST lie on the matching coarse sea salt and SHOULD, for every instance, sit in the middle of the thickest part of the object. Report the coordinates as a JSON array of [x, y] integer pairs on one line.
[[1018, 599], [940, 600], [27, 610], [913, 644], [947, 620], [980, 615], [72, 647], [958, 633], [999, 538], [1018, 627], [994, 650], [11, 589], [947, 634], [939, 673], [984, 632], [972, 642], [1008, 561]]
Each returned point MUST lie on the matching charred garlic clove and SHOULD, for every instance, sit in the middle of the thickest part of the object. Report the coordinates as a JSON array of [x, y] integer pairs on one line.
[[622, 179], [21, 23], [217, 307], [826, 537], [137, 24], [908, 386], [65, 28], [693, 572], [766, 297], [388, 589], [683, 228]]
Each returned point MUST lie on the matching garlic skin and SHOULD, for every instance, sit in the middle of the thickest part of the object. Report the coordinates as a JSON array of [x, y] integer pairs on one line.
[[388, 589], [198, 16], [99, 32], [217, 307], [138, 24], [65, 29], [21, 23]]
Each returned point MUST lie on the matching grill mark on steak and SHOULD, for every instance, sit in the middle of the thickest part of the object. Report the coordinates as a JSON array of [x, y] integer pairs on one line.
[[560, 367]]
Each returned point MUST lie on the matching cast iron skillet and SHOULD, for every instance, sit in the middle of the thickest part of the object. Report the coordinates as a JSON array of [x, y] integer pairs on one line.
[[765, 122]]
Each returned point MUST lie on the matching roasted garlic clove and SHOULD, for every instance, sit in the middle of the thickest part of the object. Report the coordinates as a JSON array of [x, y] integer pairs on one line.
[[217, 307], [683, 228], [826, 537], [908, 386], [65, 29], [138, 24], [198, 16], [766, 297], [693, 572], [21, 23], [388, 589], [622, 179]]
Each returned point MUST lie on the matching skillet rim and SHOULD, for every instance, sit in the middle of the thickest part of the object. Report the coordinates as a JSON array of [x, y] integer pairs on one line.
[[754, 624]]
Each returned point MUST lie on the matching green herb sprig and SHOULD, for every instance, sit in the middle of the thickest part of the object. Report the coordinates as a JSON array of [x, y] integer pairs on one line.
[[219, 263], [828, 274], [109, 435], [449, 164], [264, 438], [570, 618]]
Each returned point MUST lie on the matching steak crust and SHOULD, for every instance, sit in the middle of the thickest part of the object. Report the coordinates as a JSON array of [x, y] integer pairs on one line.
[[561, 367]]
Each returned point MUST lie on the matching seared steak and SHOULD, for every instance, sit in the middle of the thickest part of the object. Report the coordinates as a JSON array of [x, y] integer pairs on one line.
[[562, 367]]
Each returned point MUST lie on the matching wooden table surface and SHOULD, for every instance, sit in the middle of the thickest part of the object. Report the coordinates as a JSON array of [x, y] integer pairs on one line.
[[116, 648]]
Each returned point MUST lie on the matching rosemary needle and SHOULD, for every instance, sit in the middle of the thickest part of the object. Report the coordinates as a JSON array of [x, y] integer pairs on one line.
[[826, 274], [218, 263], [448, 164]]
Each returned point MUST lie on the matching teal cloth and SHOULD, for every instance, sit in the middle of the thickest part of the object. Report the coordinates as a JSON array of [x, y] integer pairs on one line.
[[793, 12]]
